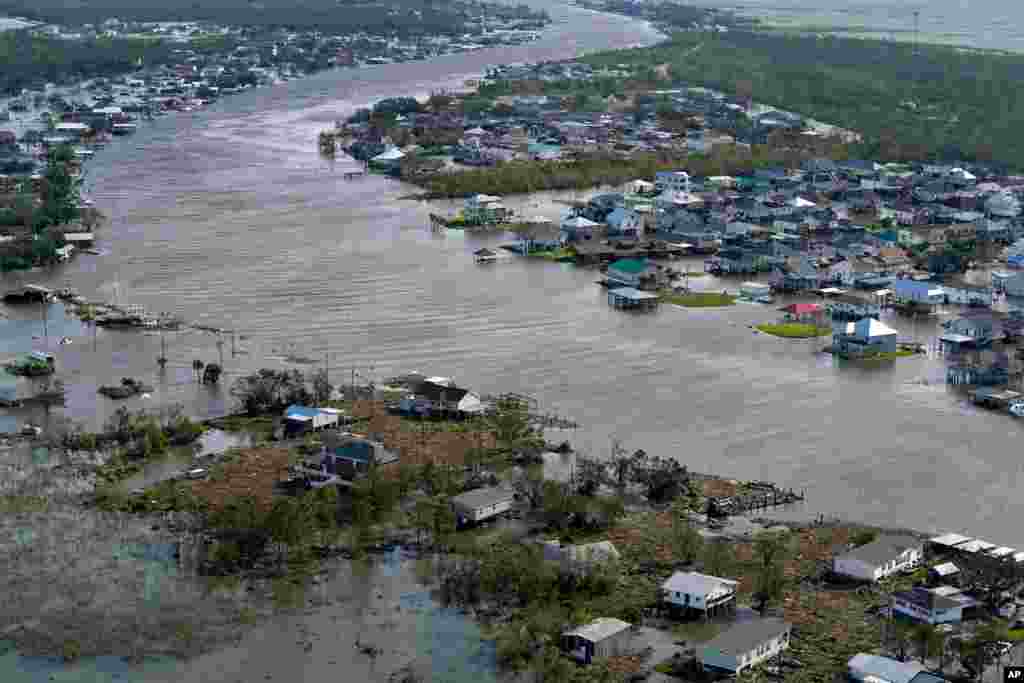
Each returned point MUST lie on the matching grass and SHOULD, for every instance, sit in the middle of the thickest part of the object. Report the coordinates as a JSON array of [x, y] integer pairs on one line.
[[697, 631], [699, 299], [243, 423], [794, 330]]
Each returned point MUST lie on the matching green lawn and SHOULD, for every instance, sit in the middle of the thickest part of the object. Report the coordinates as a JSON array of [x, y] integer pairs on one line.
[[795, 330], [699, 299]]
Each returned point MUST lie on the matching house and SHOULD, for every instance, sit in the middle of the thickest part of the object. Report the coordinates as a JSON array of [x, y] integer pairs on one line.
[[880, 558], [439, 396], [298, 419], [755, 291], [916, 291], [745, 645], [1012, 284], [349, 456], [483, 209], [636, 273], [892, 258], [623, 222], [675, 181], [979, 331], [582, 558], [865, 668], [851, 307], [578, 229], [478, 505], [601, 638], [939, 605], [701, 592], [804, 313]]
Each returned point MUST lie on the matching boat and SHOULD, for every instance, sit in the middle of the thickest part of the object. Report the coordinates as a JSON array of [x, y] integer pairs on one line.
[[1017, 409], [196, 473]]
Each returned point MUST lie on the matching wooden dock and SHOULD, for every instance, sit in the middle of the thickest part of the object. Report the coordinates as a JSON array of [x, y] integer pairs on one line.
[[354, 175]]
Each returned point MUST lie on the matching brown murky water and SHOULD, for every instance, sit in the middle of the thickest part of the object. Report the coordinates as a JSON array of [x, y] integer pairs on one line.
[[229, 218]]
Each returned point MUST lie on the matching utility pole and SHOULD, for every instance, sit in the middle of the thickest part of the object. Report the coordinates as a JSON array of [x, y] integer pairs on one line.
[[353, 383], [233, 351], [46, 334], [220, 349], [917, 15], [162, 360]]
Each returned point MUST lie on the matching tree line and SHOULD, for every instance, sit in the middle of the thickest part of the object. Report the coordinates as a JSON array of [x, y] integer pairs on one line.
[[911, 103], [32, 59], [407, 18]]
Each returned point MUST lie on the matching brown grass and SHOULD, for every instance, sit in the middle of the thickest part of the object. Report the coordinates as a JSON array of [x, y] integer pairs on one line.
[[624, 665], [252, 474], [719, 487], [417, 446]]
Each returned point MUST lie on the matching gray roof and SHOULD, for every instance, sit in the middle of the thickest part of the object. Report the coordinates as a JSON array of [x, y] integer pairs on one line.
[[599, 629], [478, 498], [695, 583], [883, 550], [746, 636], [863, 665]]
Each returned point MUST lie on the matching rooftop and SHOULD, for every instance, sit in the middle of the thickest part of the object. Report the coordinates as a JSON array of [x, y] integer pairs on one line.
[[478, 498], [599, 629], [744, 637], [882, 550], [695, 583]]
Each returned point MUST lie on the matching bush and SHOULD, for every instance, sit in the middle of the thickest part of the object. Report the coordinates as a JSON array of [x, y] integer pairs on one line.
[[863, 537]]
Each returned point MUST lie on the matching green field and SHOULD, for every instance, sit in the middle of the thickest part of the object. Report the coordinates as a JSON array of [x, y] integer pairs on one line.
[[699, 299], [795, 330]]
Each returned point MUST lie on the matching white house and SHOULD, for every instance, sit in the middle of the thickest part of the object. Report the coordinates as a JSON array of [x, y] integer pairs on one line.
[[481, 504], [580, 559], [880, 558], [867, 335], [916, 291], [691, 590], [865, 668], [940, 605], [745, 645]]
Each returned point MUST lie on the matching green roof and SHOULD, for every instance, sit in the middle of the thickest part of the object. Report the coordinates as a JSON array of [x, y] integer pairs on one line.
[[628, 265]]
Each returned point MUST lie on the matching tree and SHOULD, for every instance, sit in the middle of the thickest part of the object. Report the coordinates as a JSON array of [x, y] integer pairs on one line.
[[509, 419], [322, 388], [770, 552], [685, 540], [719, 558], [928, 640], [270, 390]]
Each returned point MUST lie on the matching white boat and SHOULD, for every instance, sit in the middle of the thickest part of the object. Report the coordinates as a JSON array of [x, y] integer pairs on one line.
[[1017, 408]]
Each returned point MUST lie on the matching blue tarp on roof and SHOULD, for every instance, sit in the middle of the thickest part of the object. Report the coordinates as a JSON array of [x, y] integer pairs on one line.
[[296, 411]]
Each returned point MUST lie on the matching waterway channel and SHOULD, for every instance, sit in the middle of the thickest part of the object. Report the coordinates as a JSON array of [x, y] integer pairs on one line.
[[229, 217]]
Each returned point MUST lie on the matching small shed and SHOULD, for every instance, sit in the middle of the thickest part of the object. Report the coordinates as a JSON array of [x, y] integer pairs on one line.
[[304, 418], [604, 637], [481, 504]]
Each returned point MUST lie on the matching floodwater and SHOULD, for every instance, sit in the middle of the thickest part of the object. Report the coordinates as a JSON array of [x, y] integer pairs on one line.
[[229, 218]]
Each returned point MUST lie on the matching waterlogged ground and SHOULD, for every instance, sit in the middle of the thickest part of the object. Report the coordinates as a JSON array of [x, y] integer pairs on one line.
[[66, 568]]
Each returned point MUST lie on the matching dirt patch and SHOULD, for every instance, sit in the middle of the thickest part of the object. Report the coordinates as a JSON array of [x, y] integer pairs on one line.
[[252, 474], [417, 442], [719, 487], [623, 665]]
